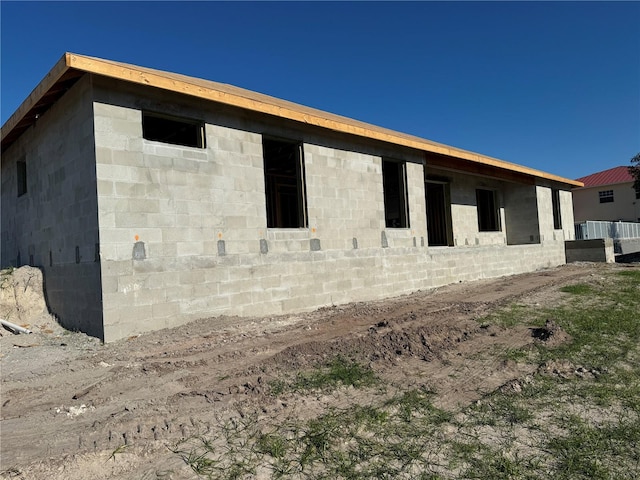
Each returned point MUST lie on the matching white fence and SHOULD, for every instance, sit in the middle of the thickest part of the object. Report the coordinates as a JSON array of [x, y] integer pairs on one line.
[[616, 230]]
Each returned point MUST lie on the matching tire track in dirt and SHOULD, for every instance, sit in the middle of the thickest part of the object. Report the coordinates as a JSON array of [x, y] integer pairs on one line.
[[153, 390]]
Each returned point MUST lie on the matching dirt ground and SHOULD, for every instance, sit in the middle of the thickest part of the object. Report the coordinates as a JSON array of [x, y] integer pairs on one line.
[[69, 402]]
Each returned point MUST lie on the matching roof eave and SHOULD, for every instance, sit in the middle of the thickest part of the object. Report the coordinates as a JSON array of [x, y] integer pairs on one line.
[[28, 111], [73, 66]]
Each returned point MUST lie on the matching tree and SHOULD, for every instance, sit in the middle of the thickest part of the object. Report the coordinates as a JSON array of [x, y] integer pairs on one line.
[[634, 170]]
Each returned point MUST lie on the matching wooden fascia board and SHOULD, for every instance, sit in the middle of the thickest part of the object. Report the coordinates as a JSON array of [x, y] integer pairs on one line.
[[35, 96], [287, 110], [157, 79]]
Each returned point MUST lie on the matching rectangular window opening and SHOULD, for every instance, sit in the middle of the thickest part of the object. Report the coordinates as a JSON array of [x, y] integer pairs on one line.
[[284, 184], [557, 217], [173, 130], [394, 185], [488, 214], [438, 203], [22, 177], [606, 196]]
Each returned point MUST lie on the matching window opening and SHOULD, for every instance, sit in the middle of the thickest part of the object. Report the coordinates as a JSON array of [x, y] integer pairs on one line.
[[488, 215], [394, 185], [439, 231], [606, 196], [22, 177], [557, 217], [284, 184], [173, 130]]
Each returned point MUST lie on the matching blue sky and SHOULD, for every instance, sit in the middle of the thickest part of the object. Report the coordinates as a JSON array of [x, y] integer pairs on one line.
[[550, 85]]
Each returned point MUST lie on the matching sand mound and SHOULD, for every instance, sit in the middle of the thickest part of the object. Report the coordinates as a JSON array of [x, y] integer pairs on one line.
[[22, 300]]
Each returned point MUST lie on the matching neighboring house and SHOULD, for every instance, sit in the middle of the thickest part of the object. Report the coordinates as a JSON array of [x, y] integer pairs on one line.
[[608, 195], [150, 199]]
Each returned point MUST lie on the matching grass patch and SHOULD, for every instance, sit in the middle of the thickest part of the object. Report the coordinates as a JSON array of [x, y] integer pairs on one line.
[[633, 275], [581, 423], [416, 404], [578, 289], [337, 372], [500, 409], [514, 354], [596, 451], [514, 314]]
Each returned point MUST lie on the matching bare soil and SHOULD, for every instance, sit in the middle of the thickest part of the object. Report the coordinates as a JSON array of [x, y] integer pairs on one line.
[[73, 408]]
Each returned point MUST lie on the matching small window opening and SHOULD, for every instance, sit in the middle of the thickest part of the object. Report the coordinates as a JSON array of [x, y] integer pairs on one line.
[[22, 177], [284, 184], [606, 196], [488, 215], [557, 217], [637, 189], [394, 185], [173, 130]]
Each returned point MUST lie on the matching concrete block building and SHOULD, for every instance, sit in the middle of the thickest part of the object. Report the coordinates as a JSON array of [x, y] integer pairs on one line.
[[150, 199]]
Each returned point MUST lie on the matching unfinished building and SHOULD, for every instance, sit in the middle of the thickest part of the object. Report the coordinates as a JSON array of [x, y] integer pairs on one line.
[[150, 199]]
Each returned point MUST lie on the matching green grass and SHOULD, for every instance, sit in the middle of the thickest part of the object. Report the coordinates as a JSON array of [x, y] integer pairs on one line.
[[337, 372], [582, 425], [517, 355], [578, 289], [510, 316], [603, 451], [416, 404]]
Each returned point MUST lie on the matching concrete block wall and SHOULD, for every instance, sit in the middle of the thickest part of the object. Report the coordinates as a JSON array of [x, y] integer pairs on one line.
[[346, 203], [521, 214], [464, 211], [545, 212], [566, 214], [183, 230], [256, 284], [344, 198], [184, 207], [417, 207], [54, 225], [545, 215]]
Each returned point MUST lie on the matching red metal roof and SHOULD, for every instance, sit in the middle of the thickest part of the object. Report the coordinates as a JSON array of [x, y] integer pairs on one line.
[[607, 177]]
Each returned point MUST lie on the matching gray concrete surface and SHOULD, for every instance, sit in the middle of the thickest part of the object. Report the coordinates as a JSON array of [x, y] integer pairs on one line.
[[594, 250], [181, 232]]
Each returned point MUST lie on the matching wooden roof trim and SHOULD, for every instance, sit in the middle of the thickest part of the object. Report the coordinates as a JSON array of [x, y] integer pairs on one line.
[[253, 101], [256, 102], [47, 83]]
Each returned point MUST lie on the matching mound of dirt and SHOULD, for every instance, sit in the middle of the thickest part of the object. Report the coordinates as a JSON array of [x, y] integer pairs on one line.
[[551, 334], [22, 301], [386, 341]]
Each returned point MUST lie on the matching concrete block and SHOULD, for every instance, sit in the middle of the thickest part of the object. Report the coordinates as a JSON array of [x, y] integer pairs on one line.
[[191, 277], [167, 309], [314, 244], [628, 245], [127, 220], [595, 250], [139, 252]]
